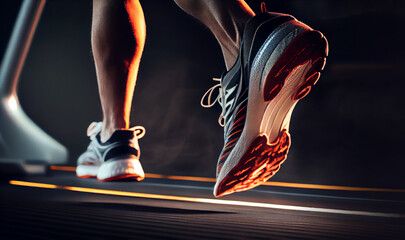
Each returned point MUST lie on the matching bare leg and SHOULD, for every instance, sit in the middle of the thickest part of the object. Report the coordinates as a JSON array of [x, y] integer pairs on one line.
[[225, 19], [118, 38]]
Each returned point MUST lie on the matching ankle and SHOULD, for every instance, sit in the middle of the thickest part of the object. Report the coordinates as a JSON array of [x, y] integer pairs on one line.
[[231, 38], [108, 129]]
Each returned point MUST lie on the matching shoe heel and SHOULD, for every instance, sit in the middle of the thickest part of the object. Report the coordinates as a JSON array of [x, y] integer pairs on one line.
[[309, 46], [87, 171], [121, 169]]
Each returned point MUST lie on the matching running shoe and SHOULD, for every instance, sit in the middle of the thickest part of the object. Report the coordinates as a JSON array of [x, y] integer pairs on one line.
[[279, 61], [117, 158]]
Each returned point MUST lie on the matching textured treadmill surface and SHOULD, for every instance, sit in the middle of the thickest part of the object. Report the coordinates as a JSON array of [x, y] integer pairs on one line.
[[38, 213]]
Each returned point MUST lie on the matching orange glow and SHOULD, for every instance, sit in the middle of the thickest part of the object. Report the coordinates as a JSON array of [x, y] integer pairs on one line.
[[134, 176], [32, 184], [202, 200], [199, 179], [259, 163], [137, 21], [275, 184], [327, 187], [63, 168]]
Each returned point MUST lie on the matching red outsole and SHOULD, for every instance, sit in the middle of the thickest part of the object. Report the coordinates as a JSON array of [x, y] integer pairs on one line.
[[86, 176], [307, 46], [135, 177], [259, 163]]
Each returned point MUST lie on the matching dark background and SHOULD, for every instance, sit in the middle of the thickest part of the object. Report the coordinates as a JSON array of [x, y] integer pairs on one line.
[[348, 131]]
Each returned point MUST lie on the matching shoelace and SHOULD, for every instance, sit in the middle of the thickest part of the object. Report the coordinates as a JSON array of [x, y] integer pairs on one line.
[[218, 99], [263, 7]]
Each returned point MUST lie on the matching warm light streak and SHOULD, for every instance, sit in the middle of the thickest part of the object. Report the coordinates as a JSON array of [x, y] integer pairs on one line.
[[327, 187], [275, 184], [198, 179], [203, 200], [32, 184], [63, 168]]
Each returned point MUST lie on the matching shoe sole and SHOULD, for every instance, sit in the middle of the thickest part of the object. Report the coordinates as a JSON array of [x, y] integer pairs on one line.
[[282, 74], [113, 170], [87, 171]]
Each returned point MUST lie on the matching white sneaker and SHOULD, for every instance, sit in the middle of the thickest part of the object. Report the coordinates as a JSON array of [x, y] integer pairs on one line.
[[117, 158]]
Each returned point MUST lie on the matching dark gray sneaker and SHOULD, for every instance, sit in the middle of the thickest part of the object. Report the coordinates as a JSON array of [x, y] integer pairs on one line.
[[280, 59], [117, 158]]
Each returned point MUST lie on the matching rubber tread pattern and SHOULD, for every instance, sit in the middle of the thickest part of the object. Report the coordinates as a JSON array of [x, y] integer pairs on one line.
[[308, 46], [259, 163]]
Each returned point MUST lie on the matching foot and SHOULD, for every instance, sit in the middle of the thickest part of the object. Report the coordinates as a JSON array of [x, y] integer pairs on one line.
[[280, 59], [117, 158]]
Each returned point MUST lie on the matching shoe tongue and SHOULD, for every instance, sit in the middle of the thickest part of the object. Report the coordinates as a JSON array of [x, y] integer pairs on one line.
[[94, 128], [230, 80]]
